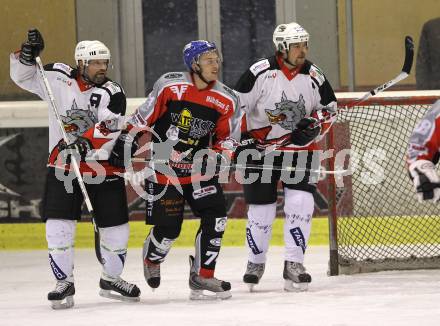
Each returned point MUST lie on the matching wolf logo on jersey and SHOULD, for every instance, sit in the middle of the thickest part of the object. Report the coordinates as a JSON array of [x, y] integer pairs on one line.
[[287, 113], [77, 121]]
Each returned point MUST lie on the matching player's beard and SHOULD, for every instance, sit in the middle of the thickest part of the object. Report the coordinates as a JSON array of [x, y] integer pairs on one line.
[[98, 78]]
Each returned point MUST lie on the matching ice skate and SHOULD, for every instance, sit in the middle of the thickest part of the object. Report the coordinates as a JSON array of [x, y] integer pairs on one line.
[[253, 274], [296, 279], [207, 288], [119, 289], [62, 296], [152, 274]]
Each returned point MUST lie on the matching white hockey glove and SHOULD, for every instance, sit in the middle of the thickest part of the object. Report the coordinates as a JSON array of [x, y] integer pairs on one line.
[[426, 180]]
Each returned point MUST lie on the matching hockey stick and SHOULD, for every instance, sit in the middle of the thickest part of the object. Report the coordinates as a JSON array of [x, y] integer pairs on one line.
[[74, 162], [406, 69]]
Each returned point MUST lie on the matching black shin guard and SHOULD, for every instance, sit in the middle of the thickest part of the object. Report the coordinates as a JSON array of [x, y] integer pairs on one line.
[[158, 243], [208, 242]]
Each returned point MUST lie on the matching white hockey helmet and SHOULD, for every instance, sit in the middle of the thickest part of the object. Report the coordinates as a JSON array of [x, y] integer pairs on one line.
[[91, 50], [286, 34]]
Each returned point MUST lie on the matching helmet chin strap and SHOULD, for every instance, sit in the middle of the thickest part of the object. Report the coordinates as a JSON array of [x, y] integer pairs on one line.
[[198, 72], [286, 59]]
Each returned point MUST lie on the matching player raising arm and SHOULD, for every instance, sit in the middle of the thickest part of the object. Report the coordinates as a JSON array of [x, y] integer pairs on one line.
[[84, 97], [423, 155]]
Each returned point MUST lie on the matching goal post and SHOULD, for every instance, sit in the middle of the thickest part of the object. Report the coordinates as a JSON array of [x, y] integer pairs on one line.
[[375, 220]]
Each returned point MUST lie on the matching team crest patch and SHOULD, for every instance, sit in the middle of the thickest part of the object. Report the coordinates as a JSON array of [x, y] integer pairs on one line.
[[287, 113], [77, 121]]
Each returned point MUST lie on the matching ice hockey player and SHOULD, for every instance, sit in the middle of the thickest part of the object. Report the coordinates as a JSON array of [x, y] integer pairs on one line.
[[84, 97], [423, 155], [284, 97], [192, 110]]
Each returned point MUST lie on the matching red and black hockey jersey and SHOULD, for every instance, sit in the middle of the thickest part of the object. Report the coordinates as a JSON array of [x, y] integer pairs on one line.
[[191, 118], [424, 142], [81, 107], [275, 99]]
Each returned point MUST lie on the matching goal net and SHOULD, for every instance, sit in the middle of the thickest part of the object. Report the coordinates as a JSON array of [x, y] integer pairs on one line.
[[376, 222]]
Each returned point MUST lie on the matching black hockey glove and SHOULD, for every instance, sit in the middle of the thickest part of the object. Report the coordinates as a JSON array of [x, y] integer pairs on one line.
[[26, 56], [36, 40], [306, 132], [125, 143], [81, 145], [31, 48]]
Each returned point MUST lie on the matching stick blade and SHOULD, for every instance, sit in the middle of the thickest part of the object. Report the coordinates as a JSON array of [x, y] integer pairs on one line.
[[409, 54]]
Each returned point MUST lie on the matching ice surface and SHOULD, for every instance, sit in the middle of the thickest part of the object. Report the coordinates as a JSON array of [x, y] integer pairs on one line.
[[386, 298]]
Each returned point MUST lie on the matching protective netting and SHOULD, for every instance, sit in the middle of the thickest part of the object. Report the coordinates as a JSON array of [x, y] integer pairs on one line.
[[380, 224]]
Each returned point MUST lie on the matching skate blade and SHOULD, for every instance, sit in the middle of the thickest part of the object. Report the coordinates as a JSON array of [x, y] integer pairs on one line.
[[291, 286], [59, 304], [208, 295], [111, 295]]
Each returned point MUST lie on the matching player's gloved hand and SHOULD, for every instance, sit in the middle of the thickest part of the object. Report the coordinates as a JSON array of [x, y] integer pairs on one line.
[[226, 148], [81, 145], [271, 144], [31, 48], [325, 114], [426, 180], [35, 39], [257, 147], [26, 55], [307, 130], [125, 147]]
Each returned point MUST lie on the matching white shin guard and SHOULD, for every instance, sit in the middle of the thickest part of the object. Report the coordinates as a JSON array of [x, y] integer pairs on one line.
[[259, 231], [60, 236], [114, 241], [298, 209]]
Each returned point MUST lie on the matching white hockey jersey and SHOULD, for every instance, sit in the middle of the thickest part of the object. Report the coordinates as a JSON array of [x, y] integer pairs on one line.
[[424, 142], [82, 109], [275, 99]]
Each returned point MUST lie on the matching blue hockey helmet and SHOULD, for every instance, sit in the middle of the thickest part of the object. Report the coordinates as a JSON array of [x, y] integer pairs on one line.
[[194, 49]]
